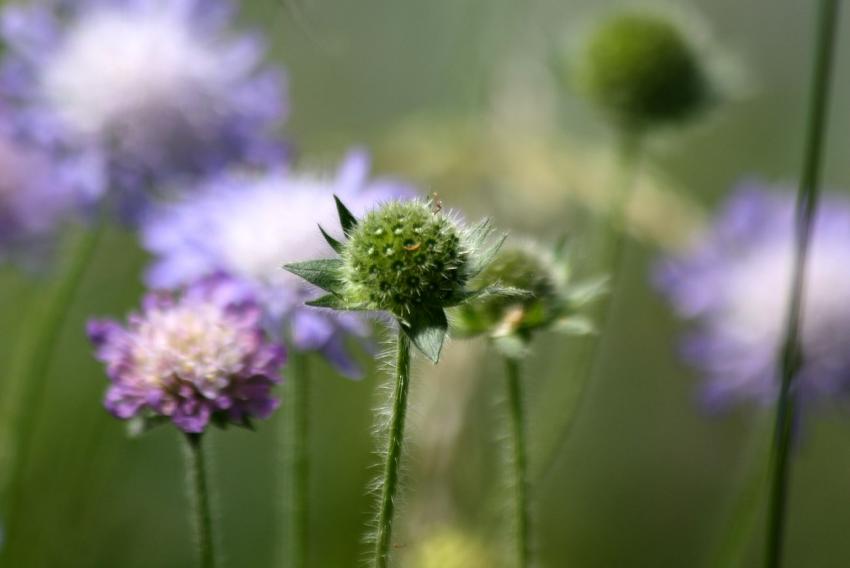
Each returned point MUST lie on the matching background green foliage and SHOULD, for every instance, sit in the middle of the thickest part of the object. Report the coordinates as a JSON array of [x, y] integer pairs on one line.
[[646, 479]]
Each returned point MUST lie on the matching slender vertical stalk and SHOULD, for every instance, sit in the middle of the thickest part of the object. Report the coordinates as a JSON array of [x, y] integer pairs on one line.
[[30, 373], [196, 468], [612, 252], [392, 466], [519, 461], [297, 463], [791, 354]]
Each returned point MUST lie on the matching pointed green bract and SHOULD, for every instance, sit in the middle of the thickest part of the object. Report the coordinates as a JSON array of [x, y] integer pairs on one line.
[[346, 219], [427, 331], [335, 244], [333, 302], [486, 257], [492, 291], [322, 273], [589, 290]]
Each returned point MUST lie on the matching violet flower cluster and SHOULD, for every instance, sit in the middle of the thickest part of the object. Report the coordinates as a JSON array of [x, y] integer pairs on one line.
[[246, 224], [194, 358], [38, 193], [159, 107], [733, 283], [159, 90]]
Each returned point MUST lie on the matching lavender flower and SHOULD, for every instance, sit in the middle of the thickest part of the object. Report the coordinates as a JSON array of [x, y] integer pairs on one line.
[[38, 193], [159, 88], [248, 225], [734, 284], [198, 357]]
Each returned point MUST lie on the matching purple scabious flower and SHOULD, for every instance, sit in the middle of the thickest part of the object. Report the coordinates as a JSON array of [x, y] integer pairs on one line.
[[734, 284], [249, 225], [39, 192], [192, 358], [160, 89]]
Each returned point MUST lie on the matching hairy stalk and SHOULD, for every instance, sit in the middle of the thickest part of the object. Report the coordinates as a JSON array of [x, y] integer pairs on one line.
[[297, 464], [612, 251], [30, 374], [519, 461], [791, 354], [392, 466], [199, 492]]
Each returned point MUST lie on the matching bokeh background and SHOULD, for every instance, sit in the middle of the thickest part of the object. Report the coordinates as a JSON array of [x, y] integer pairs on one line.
[[458, 95]]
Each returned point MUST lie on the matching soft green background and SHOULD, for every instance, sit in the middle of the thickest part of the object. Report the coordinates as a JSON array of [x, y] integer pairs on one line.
[[645, 481]]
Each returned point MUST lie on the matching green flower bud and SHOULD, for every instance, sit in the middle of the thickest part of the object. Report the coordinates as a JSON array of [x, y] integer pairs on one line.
[[404, 256], [642, 70], [407, 258], [551, 303], [527, 268]]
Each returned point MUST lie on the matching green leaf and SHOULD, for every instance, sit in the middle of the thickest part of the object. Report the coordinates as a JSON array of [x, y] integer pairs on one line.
[[334, 302], [427, 330], [346, 218], [335, 244], [322, 273]]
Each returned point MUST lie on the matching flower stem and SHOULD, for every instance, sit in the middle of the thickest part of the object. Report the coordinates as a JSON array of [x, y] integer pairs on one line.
[[392, 466], [791, 354], [519, 461], [196, 467], [31, 371], [297, 464], [612, 252]]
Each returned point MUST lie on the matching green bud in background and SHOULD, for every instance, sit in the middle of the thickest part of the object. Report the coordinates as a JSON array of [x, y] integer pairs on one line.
[[642, 70], [552, 302]]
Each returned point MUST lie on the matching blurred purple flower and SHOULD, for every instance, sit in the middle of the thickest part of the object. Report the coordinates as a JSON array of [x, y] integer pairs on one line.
[[248, 226], [39, 193], [734, 284], [159, 88], [198, 357]]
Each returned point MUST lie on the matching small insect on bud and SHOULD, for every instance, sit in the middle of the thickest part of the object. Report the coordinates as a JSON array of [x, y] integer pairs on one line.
[[642, 70]]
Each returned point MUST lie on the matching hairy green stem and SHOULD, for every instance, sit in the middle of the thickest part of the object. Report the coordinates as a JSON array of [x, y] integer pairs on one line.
[[392, 466], [791, 355], [32, 369], [297, 463], [199, 492], [613, 250], [519, 461]]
